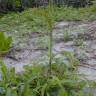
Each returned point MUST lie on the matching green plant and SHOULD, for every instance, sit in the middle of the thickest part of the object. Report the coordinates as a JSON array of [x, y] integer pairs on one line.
[[47, 15], [78, 42], [67, 35], [34, 81], [5, 43], [50, 27]]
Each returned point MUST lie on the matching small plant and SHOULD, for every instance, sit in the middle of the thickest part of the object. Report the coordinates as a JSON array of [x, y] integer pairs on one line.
[[78, 42], [5, 43], [67, 36]]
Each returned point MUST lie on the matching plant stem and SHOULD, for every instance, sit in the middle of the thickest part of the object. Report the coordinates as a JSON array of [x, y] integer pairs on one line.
[[50, 52], [50, 37]]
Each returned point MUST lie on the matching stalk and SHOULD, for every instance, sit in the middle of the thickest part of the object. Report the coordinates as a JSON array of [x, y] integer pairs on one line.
[[47, 14], [50, 51], [50, 37]]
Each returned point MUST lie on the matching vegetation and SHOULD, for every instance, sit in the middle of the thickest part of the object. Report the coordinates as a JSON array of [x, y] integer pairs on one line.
[[6, 5], [27, 21], [19, 5], [35, 81], [57, 78], [5, 43]]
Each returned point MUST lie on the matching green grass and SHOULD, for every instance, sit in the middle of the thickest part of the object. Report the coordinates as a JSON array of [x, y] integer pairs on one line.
[[19, 25], [35, 81], [72, 14], [28, 21], [20, 22]]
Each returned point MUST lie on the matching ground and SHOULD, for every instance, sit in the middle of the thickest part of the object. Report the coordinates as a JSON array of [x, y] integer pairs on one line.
[[74, 31], [79, 38]]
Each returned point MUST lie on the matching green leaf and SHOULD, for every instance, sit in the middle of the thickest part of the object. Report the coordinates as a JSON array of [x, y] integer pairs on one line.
[[43, 89], [63, 93], [14, 93], [26, 90], [5, 43], [8, 93]]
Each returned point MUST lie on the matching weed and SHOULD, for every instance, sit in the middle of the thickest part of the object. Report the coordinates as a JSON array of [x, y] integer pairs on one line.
[[67, 35], [78, 42], [5, 43], [47, 15], [35, 82]]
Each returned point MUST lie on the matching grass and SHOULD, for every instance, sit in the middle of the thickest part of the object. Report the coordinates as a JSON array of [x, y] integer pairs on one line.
[[36, 82], [21, 24], [27, 21]]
